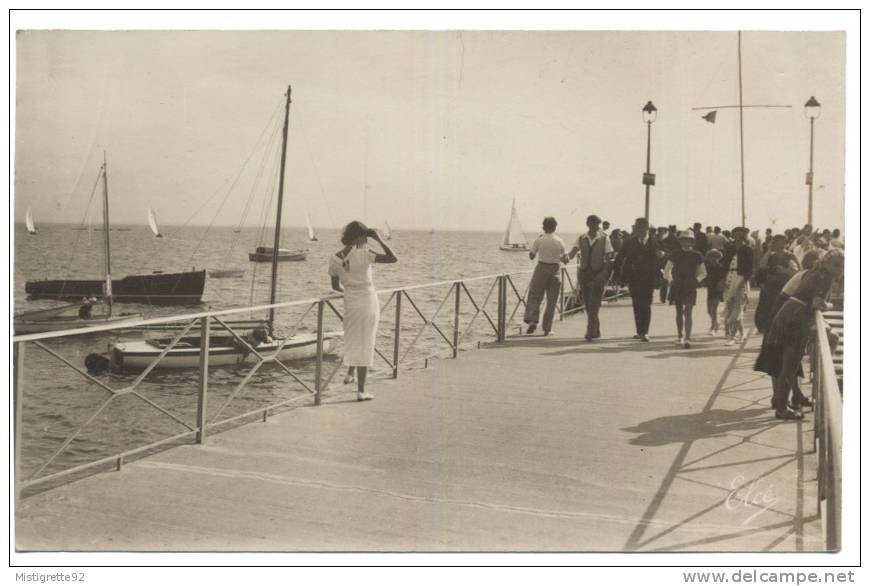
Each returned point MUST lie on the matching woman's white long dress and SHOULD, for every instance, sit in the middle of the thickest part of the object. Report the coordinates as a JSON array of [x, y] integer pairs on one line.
[[361, 307]]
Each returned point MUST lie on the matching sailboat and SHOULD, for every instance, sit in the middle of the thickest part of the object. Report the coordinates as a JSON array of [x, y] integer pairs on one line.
[[152, 223], [514, 239], [311, 236], [224, 348], [158, 288], [28, 222], [54, 319], [388, 234]]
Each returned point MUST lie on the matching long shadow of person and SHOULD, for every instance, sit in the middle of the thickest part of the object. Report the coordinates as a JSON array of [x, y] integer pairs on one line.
[[695, 426]]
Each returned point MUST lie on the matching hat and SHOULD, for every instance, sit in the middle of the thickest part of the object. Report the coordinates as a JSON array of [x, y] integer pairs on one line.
[[713, 253], [593, 218], [686, 235]]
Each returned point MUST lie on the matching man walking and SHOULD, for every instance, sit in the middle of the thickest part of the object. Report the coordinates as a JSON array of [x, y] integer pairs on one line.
[[739, 260], [550, 250], [638, 265], [596, 253]]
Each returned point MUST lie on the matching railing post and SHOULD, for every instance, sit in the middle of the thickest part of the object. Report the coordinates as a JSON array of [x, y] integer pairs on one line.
[[202, 392], [397, 333], [318, 391], [501, 308], [561, 294], [17, 405], [456, 319]]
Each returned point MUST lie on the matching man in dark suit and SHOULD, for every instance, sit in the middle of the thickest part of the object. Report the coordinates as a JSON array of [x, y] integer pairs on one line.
[[638, 265]]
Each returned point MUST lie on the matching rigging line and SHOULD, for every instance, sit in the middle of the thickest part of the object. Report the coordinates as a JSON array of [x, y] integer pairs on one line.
[[228, 193], [271, 189], [81, 224], [317, 174], [263, 163], [227, 180], [253, 191], [267, 203]]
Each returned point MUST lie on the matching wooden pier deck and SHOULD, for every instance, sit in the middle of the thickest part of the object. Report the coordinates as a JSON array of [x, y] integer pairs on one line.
[[539, 444]]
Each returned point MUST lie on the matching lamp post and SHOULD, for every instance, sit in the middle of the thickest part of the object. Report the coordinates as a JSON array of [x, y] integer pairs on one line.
[[812, 110], [650, 113]]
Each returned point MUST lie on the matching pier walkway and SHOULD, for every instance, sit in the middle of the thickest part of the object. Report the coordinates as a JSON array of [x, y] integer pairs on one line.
[[538, 444]]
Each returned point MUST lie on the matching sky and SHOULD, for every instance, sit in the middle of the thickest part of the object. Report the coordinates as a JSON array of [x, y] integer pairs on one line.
[[429, 129]]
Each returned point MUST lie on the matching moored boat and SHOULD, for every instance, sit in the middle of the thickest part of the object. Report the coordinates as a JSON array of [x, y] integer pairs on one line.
[[223, 350], [266, 253]]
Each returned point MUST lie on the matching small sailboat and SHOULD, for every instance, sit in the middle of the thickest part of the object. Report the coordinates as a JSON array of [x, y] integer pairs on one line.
[[152, 223], [311, 236], [388, 233], [156, 288], [61, 318], [28, 222], [226, 349], [514, 239]]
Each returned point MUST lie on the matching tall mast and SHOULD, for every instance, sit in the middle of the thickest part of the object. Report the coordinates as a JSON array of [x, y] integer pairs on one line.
[[273, 293], [108, 291], [740, 85]]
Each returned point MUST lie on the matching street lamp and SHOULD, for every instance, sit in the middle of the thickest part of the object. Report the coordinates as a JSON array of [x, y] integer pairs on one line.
[[812, 110], [650, 113]]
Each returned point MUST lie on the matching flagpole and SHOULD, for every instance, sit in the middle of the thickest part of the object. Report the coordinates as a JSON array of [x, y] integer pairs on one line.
[[740, 83]]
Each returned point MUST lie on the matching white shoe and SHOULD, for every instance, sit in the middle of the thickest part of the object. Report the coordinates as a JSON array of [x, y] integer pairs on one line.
[[680, 341], [364, 396], [731, 341], [712, 332], [687, 343]]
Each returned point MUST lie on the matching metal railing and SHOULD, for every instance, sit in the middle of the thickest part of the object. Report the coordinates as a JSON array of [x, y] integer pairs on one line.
[[829, 433], [508, 300]]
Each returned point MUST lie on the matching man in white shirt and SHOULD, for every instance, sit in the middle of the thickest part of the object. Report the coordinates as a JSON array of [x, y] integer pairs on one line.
[[550, 250], [596, 253]]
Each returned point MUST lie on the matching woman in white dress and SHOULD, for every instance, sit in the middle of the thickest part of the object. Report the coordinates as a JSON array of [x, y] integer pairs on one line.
[[351, 272]]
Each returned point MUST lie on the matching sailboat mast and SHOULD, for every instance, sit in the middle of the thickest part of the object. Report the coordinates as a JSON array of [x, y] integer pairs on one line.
[[108, 292], [740, 85], [273, 293]]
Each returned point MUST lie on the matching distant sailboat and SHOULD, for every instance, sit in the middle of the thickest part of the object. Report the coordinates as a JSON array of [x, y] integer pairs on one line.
[[28, 221], [387, 232], [514, 239], [152, 222], [311, 235]]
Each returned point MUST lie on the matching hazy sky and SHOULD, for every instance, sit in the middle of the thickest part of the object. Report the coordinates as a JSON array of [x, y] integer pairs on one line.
[[444, 127]]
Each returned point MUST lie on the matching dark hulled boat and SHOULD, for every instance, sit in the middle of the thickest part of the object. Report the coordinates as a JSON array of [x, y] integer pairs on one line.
[[154, 289]]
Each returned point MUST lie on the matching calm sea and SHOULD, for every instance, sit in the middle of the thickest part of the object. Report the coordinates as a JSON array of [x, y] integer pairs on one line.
[[57, 400]]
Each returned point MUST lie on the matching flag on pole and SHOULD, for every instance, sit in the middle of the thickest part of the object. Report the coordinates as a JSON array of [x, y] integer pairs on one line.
[[711, 117]]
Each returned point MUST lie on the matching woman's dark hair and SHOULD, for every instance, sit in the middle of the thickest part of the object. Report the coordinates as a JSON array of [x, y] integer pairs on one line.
[[353, 231], [550, 224]]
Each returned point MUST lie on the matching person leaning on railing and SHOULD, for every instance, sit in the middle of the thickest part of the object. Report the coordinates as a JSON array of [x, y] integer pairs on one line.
[[351, 272], [783, 346], [550, 252]]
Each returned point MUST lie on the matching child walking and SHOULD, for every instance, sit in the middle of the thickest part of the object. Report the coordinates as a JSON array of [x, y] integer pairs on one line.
[[715, 283], [685, 269]]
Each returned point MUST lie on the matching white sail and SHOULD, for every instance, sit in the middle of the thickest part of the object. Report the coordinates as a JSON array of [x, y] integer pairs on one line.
[[28, 221], [311, 235], [387, 232], [152, 221], [513, 234]]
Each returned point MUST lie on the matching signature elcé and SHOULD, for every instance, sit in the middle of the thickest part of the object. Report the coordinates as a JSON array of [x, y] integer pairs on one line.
[[751, 496]]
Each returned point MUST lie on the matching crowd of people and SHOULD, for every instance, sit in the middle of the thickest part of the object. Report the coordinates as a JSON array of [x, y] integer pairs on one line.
[[796, 272]]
